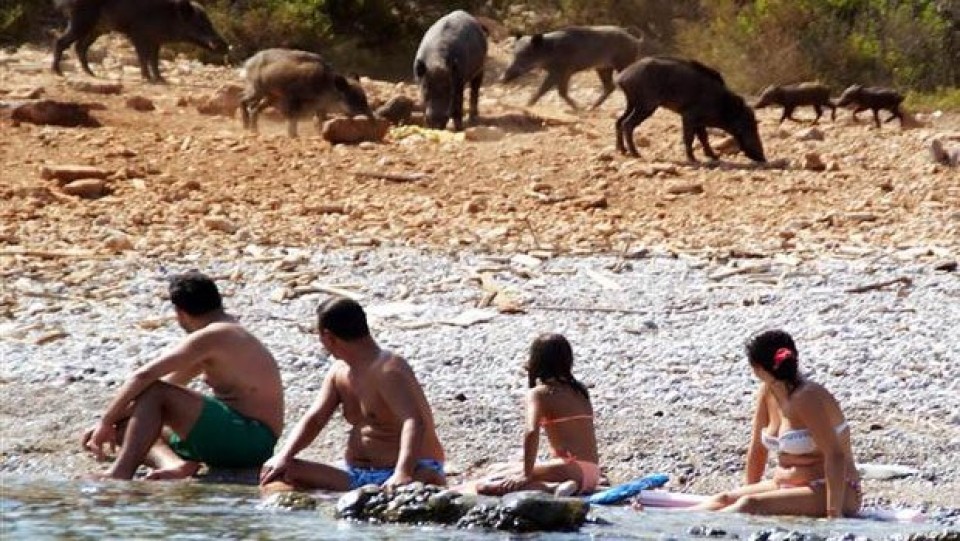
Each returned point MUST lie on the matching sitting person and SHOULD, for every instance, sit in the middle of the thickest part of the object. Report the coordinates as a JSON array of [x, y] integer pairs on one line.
[[392, 441], [801, 422], [236, 427], [559, 404]]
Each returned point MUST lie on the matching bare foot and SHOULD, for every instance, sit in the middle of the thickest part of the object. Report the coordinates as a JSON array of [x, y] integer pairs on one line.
[[185, 470]]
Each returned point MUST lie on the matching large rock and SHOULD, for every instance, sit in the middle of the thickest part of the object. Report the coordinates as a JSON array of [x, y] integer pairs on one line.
[[397, 110], [88, 188], [223, 102], [55, 113], [355, 130]]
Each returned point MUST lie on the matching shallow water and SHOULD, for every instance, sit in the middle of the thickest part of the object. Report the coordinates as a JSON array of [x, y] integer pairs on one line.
[[46, 508]]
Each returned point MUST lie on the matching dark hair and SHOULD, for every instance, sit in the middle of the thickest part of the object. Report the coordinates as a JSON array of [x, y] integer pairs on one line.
[[764, 350], [343, 317], [552, 358], [195, 293]]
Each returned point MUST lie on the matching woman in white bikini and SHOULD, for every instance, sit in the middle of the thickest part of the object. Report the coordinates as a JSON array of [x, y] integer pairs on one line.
[[559, 404], [801, 423]]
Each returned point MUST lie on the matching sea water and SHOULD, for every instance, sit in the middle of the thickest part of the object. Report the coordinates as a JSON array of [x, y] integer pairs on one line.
[[57, 509]]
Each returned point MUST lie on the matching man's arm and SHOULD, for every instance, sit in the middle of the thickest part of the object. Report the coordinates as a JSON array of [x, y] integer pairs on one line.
[[306, 430], [397, 389], [187, 355]]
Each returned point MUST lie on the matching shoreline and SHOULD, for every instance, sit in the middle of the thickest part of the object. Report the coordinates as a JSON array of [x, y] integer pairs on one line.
[[657, 339]]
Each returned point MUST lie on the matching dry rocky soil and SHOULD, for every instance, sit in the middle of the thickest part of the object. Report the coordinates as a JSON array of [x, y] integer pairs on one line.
[[169, 181]]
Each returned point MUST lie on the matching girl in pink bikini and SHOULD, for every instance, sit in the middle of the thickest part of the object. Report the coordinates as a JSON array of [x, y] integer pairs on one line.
[[559, 404], [801, 423]]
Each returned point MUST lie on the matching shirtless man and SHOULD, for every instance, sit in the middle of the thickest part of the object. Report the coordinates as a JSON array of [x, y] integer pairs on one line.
[[236, 427], [393, 440]]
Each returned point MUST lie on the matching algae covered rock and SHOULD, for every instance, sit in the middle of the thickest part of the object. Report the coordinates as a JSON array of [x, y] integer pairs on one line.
[[291, 501]]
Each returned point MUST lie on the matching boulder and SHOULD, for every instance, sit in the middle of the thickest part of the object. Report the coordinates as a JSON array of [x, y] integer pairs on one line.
[[224, 101], [140, 103], [355, 130], [55, 113], [397, 110]]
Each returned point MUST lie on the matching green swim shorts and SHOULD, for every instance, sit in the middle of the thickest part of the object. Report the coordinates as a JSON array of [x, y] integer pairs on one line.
[[224, 438]]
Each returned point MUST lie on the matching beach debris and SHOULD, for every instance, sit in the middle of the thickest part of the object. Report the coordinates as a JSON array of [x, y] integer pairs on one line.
[[392, 177], [603, 280], [885, 472], [905, 281], [470, 317], [756, 268]]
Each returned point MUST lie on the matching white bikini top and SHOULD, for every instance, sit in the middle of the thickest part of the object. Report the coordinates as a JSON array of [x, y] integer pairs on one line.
[[795, 442]]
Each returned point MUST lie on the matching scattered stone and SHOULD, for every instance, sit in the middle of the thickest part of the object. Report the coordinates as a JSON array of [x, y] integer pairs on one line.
[[484, 134], [595, 202], [223, 102], [809, 134], [680, 188], [945, 151], [947, 265], [55, 113], [67, 173], [355, 130], [397, 110], [89, 188], [812, 162], [707, 531], [140, 103], [727, 146], [27, 93], [118, 242], [96, 87], [861, 217], [291, 501], [220, 223]]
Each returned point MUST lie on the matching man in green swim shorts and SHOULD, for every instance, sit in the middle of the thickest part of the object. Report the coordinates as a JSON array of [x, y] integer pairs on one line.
[[159, 422]]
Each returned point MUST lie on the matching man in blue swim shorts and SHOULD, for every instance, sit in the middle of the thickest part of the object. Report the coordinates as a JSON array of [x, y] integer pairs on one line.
[[393, 440]]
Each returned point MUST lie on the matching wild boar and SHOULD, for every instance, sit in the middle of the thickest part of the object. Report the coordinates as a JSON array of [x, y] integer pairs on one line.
[[790, 97], [450, 56], [147, 23], [564, 52], [694, 91], [298, 84], [873, 98]]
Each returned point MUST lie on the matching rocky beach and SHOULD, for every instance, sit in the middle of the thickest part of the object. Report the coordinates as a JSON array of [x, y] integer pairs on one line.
[[464, 248]]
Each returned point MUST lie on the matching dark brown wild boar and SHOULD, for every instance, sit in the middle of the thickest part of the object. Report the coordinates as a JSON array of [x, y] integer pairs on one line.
[[873, 98], [790, 97], [694, 91], [567, 51], [298, 84], [147, 23]]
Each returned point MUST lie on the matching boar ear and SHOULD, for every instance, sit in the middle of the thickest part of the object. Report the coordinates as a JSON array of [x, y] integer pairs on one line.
[[419, 69], [354, 75], [536, 40]]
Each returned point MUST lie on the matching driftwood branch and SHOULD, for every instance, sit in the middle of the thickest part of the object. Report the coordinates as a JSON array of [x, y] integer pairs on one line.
[[393, 177], [880, 285]]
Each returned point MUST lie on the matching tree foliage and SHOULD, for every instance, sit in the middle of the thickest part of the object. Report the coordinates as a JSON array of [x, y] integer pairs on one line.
[[904, 43]]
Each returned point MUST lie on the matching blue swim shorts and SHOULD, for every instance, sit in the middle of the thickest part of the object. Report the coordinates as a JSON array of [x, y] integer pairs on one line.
[[377, 476]]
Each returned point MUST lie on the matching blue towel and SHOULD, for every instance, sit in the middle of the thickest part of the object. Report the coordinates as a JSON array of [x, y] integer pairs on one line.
[[621, 492]]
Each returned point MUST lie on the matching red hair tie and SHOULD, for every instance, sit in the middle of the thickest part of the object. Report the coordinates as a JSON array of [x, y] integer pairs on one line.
[[781, 355]]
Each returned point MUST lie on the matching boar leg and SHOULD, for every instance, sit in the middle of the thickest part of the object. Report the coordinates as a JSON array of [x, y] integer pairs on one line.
[[689, 131], [876, 117], [895, 113], [562, 85], [153, 54], [705, 143], [819, 110], [833, 110], [627, 123], [82, 47], [456, 104], [787, 113], [475, 97], [80, 25], [606, 79], [549, 82], [143, 57]]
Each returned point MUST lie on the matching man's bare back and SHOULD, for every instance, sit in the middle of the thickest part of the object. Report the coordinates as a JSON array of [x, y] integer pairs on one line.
[[375, 434], [242, 373]]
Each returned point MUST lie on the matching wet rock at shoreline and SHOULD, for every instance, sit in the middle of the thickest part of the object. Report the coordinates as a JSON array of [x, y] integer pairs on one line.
[[291, 501], [418, 503]]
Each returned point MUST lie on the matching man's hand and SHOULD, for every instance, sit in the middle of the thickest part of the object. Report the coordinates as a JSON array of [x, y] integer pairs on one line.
[[398, 479], [273, 469], [96, 437]]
